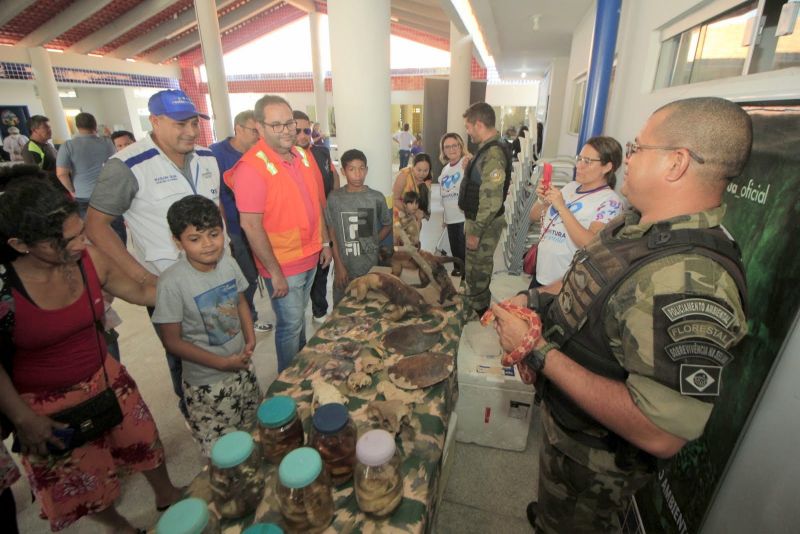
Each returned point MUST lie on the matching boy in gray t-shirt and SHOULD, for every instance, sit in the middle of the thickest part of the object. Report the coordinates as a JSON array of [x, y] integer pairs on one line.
[[204, 319], [360, 219]]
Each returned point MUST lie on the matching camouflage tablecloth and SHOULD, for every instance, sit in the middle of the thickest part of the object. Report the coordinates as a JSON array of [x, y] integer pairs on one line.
[[420, 443]]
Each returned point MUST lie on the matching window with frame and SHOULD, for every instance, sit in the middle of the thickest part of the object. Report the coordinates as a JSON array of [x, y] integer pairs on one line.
[[736, 42]]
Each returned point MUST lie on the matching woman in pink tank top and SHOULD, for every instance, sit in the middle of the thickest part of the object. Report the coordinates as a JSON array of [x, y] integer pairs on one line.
[[54, 358]]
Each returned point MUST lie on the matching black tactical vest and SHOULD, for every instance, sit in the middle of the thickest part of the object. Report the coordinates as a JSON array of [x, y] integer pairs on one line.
[[469, 192], [575, 318]]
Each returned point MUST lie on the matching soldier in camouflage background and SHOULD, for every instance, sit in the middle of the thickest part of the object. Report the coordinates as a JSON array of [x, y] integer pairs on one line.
[[483, 191], [643, 382]]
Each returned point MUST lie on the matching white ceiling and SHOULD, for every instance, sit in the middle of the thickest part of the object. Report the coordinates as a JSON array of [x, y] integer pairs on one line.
[[507, 27]]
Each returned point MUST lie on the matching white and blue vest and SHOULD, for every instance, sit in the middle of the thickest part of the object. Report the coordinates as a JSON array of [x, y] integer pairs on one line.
[[161, 183]]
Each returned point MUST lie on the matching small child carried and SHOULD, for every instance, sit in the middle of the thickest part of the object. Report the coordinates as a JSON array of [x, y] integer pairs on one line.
[[204, 319]]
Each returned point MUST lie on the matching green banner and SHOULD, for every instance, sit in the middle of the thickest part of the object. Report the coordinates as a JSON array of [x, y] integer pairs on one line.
[[763, 215]]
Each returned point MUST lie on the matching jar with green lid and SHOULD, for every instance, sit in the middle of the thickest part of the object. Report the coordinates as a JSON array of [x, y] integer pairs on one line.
[[334, 435], [237, 480], [377, 481], [263, 528], [189, 516], [304, 491], [280, 429]]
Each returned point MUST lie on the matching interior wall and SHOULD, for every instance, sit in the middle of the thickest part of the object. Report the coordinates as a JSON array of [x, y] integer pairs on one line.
[[512, 95], [556, 106]]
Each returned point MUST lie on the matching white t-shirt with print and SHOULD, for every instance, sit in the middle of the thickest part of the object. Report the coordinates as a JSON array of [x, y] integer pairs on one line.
[[556, 249], [450, 183]]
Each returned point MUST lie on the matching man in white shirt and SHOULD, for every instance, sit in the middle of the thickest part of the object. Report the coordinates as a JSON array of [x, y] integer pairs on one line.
[[404, 139]]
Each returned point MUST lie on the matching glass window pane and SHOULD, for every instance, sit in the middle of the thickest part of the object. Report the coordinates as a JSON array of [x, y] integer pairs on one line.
[[721, 49], [787, 52], [666, 62], [684, 61]]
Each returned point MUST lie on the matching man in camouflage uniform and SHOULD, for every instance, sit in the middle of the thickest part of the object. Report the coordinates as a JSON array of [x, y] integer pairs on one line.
[[629, 364], [483, 191]]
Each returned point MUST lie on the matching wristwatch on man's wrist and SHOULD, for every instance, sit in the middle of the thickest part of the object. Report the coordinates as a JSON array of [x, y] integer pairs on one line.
[[533, 298], [535, 358]]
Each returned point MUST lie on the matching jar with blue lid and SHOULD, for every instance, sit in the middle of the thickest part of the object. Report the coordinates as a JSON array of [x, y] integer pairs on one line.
[[304, 492], [189, 516], [237, 480], [279, 427], [334, 435], [377, 482]]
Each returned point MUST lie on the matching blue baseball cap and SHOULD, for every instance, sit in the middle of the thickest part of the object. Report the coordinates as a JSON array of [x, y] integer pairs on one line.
[[174, 104]]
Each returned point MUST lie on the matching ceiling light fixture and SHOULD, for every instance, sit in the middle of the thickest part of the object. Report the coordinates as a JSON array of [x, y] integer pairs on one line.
[[394, 19], [467, 16], [535, 20], [523, 75]]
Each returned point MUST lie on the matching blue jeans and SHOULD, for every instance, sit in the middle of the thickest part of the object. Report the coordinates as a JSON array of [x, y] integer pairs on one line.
[[290, 316], [404, 155]]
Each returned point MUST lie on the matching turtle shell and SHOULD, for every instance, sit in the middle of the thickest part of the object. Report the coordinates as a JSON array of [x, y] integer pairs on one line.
[[409, 339], [421, 370]]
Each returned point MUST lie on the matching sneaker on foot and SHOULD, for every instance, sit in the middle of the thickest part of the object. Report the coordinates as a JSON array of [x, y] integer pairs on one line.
[[258, 326], [320, 318]]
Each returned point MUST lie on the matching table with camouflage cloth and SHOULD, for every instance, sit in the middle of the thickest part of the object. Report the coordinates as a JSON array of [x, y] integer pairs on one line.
[[420, 444]]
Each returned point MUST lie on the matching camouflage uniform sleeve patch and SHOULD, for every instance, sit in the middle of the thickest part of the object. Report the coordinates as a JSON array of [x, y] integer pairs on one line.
[[672, 326]]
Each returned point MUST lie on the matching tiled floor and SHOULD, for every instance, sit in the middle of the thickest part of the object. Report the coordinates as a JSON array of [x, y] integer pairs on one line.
[[488, 488]]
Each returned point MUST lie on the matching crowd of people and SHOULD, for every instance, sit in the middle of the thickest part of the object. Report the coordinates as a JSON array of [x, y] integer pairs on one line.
[[270, 195]]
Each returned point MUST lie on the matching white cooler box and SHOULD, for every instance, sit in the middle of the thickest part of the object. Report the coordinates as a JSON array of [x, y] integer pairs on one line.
[[494, 406]]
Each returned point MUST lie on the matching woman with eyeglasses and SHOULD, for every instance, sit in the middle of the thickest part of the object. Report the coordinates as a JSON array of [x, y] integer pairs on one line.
[[54, 358], [454, 156], [572, 216]]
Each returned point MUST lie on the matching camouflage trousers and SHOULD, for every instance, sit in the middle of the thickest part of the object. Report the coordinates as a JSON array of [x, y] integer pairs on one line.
[[575, 499], [479, 265]]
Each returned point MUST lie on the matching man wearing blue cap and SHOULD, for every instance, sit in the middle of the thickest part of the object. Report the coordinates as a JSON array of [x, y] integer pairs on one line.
[[141, 182]]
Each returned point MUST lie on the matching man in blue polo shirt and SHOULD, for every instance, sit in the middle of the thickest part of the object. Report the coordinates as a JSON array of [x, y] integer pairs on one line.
[[228, 152]]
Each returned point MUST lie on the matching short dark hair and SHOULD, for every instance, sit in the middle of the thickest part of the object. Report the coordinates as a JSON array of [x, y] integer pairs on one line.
[[268, 100], [353, 154], [610, 152], [195, 210], [85, 121], [32, 209], [243, 116], [720, 131], [406, 127], [410, 197], [122, 133], [480, 111], [299, 115], [37, 121]]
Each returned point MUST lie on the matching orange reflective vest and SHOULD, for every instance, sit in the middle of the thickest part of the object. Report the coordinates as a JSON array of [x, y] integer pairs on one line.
[[293, 231]]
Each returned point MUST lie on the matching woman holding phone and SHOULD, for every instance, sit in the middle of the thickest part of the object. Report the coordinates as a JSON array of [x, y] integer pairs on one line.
[[573, 215]]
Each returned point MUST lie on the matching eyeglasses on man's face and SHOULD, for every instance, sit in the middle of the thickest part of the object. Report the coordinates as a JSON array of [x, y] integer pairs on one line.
[[585, 160], [306, 131], [278, 127], [253, 131], [634, 147]]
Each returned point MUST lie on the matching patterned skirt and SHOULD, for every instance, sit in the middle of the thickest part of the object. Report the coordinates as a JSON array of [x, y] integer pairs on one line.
[[86, 480]]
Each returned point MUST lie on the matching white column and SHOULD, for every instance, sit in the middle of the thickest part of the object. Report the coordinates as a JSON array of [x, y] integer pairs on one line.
[[359, 34], [211, 45], [320, 97], [48, 93], [460, 79]]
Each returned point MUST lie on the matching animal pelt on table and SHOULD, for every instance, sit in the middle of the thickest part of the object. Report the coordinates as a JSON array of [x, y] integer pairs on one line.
[[410, 259], [402, 297]]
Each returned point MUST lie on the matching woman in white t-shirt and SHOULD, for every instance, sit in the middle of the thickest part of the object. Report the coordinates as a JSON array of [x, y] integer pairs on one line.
[[454, 155], [576, 213]]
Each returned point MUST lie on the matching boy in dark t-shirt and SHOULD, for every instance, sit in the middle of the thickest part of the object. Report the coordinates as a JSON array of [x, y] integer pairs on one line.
[[360, 219]]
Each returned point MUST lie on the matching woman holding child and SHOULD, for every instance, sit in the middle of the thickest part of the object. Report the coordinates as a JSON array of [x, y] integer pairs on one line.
[[416, 177], [55, 358]]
